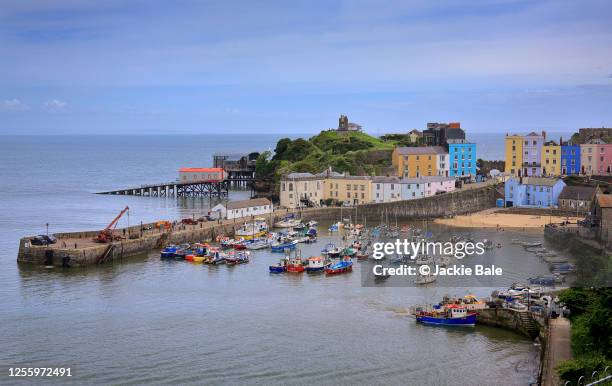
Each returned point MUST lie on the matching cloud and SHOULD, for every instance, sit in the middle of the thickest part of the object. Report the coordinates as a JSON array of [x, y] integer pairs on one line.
[[54, 105], [14, 105]]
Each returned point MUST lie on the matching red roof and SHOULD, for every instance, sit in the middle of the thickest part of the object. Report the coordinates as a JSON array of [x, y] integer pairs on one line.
[[206, 170]]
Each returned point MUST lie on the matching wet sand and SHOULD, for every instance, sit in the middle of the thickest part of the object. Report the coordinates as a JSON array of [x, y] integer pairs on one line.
[[493, 218]]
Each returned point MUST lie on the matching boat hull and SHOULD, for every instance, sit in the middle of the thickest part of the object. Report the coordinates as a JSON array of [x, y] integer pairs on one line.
[[276, 269], [469, 320], [336, 271], [315, 269]]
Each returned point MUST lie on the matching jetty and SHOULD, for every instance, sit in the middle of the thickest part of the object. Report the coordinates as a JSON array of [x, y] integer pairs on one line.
[[185, 189]]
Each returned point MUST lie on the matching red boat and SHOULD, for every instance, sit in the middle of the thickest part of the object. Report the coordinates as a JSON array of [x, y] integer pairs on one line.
[[239, 246], [295, 265]]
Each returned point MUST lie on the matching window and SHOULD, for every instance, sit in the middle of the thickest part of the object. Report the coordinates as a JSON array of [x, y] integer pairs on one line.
[[291, 187], [348, 187], [377, 186], [283, 186]]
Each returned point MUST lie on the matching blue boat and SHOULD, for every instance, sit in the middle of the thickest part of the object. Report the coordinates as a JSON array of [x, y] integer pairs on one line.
[[280, 267], [282, 246], [168, 252], [453, 315]]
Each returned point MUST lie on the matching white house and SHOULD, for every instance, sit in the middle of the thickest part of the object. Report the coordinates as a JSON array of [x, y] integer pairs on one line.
[[386, 189], [244, 208], [426, 186]]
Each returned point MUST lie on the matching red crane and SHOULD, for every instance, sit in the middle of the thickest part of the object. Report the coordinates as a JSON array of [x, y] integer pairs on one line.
[[106, 235]]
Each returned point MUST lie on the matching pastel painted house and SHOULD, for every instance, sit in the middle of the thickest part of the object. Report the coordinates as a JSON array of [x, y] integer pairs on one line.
[[386, 189], [462, 159], [413, 188], [533, 192]]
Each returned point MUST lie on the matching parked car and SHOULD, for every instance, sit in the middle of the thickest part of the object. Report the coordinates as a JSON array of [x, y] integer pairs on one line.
[[43, 240], [189, 221]]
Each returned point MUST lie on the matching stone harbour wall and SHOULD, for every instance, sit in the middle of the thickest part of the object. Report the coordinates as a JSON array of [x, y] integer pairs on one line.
[[87, 252]]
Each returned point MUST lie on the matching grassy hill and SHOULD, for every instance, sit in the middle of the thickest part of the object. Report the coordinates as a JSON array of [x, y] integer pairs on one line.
[[354, 152]]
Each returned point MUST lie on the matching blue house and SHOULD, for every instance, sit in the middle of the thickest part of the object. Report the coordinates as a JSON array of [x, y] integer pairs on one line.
[[570, 159], [533, 192], [462, 157]]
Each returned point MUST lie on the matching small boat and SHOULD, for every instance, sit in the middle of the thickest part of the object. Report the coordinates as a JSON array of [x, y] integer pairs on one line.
[[343, 266], [168, 252], [312, 223], [239, 245], [348, 251], [257, 244], [424, 279], [362, 254], [189, 256], [299, 227], [335, 227], [243, 258], [452, 315], [295, 265], [280, 247], [217, 258], [488, 244], [287, 223], [280, 267], [197, 259], [251, 230], [331, 250], [316, 264]]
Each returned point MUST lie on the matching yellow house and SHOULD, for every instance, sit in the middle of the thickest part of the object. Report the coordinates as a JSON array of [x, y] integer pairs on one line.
[[514, 154], [551, 159], [346, 188], [413, 162]]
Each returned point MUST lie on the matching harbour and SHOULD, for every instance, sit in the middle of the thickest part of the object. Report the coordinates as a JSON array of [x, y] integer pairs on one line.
[[217, 292]]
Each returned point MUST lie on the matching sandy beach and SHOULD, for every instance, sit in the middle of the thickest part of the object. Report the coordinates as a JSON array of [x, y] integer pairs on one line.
[[494, 218]]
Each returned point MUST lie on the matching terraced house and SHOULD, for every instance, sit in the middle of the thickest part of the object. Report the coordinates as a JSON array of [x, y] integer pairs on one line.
[[514, 154], [551, 159], [419, 161]]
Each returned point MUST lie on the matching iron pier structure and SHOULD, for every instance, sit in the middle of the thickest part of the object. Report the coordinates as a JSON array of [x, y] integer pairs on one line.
[[185, 189]]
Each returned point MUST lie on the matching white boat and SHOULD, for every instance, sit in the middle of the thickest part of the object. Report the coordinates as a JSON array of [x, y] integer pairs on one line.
[[425, 279], [311, 223], [257, 244], [251, 230], [287, 223]]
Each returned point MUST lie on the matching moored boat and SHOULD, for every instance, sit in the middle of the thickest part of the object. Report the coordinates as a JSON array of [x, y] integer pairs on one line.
[[252, 230], [452, 315], [295, 265], [280, 267], [168, 252], [316, 264], [343, 266], [281, 247]]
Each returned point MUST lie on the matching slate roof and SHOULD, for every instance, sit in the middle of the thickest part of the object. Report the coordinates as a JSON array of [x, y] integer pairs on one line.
[[577, 193]]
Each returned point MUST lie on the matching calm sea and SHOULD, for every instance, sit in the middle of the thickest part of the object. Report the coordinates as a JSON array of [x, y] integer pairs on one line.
[[150, 321]]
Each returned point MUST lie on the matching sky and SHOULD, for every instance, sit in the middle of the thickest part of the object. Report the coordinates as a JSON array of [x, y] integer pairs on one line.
[[204, 67]]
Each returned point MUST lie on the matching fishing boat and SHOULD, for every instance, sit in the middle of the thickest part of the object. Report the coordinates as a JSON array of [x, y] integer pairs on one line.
[[451, 315], [296, 265], [280, 267], [362, 254], [316, 264], [331, 250], [280, 247], [252, 230], [168, 252], [243, 257], [343, 266]]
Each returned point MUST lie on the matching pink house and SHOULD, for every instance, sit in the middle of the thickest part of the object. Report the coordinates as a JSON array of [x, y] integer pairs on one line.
[[604, 159]]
